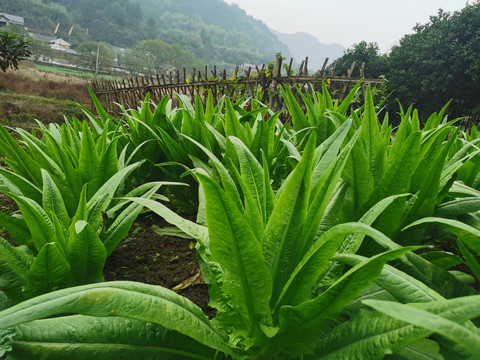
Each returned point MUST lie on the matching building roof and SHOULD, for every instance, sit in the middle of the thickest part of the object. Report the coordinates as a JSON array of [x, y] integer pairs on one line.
[[41, 35], [43, 32], [59, 42], [13, 18]]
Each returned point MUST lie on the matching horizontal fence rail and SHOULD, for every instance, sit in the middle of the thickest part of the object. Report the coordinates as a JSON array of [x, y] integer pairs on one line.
[[468, 121], [262, 83]]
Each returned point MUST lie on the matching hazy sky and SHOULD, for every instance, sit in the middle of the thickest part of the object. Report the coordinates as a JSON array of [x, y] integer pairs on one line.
[[348, 21]]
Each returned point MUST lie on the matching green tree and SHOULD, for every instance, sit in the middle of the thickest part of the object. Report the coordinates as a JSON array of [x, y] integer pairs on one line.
[[13, 49], [440, 62], [376, 64], [88, 53], [40, 48], [155, 56]]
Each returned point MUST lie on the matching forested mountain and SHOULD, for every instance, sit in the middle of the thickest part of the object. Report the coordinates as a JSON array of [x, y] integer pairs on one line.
[[118, 22], [211, 30]]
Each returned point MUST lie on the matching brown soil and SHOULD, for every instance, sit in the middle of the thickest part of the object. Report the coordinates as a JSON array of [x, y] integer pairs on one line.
[[144, 256], [164, 260]]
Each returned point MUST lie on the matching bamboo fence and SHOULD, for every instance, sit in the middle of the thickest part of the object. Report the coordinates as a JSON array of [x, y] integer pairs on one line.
[[263, 83]]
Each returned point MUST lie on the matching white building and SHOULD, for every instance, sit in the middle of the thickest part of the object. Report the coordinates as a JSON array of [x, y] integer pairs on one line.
[[59, 44]]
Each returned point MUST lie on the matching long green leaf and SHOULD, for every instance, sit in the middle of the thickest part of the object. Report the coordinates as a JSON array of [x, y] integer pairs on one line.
[[106, 168], [40, 152], [53, 201], [123, 222], [360, 183], [403, 287], [371, 138], [321, 196], [300, 324], [16, 258], [463, 336], [85, 253], [17, 228], [252, 174], [130, 300], [226, 179], [19, 185], [468, 234], [233, 244], [198, 232], [329, 151], [18, 159], [299, 119], [71, 179], [252, 211], [368, 335], [233, 127], [304, 277], [49, 271], [264, 137], [458, 207], [111, 338], [347, 101], [39, 223], [281, 239], [397, 177], [102, 198], [469, 259], [175, 151], [98, 107]]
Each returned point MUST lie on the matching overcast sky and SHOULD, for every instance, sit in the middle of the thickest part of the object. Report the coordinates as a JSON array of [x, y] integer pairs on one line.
[[348, 21]]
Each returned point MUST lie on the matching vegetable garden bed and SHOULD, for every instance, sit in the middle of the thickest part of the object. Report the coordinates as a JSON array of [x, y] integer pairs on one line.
[[314, 237], [165, 260]]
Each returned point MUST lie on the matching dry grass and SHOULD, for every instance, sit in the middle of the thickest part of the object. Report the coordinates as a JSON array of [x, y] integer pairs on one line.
[[31, 81], [28, 94]]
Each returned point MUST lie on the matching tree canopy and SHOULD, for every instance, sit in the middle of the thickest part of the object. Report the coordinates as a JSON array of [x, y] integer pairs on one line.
[[13, 48], [440, 62], [155, 56], [363, 52], [428, 68]]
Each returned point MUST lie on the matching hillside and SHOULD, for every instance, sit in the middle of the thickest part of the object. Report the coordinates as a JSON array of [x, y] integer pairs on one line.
[[302, 45], [210, 29]]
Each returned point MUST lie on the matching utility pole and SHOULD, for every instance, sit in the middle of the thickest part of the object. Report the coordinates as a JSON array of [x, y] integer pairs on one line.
[[96, 62]]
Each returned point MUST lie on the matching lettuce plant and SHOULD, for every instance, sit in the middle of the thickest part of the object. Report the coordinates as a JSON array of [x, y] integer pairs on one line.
[[261, 258], [295, 268], [161, 138], [58, 251], [419, 166], [68, 222]]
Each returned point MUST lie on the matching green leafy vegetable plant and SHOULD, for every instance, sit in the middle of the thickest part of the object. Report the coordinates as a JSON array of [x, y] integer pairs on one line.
[[68, 222], [261, 275], [296, 266]]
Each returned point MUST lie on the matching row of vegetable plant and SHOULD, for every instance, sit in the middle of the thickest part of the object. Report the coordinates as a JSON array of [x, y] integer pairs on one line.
[[295, 226]]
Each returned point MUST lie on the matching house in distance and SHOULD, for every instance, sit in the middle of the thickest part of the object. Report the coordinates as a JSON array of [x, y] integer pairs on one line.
[[9, 20]]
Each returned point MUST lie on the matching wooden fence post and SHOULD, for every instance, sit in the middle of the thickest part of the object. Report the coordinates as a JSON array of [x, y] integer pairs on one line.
[[276, 74], [323, 67], [349, 75], [362, 76]]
